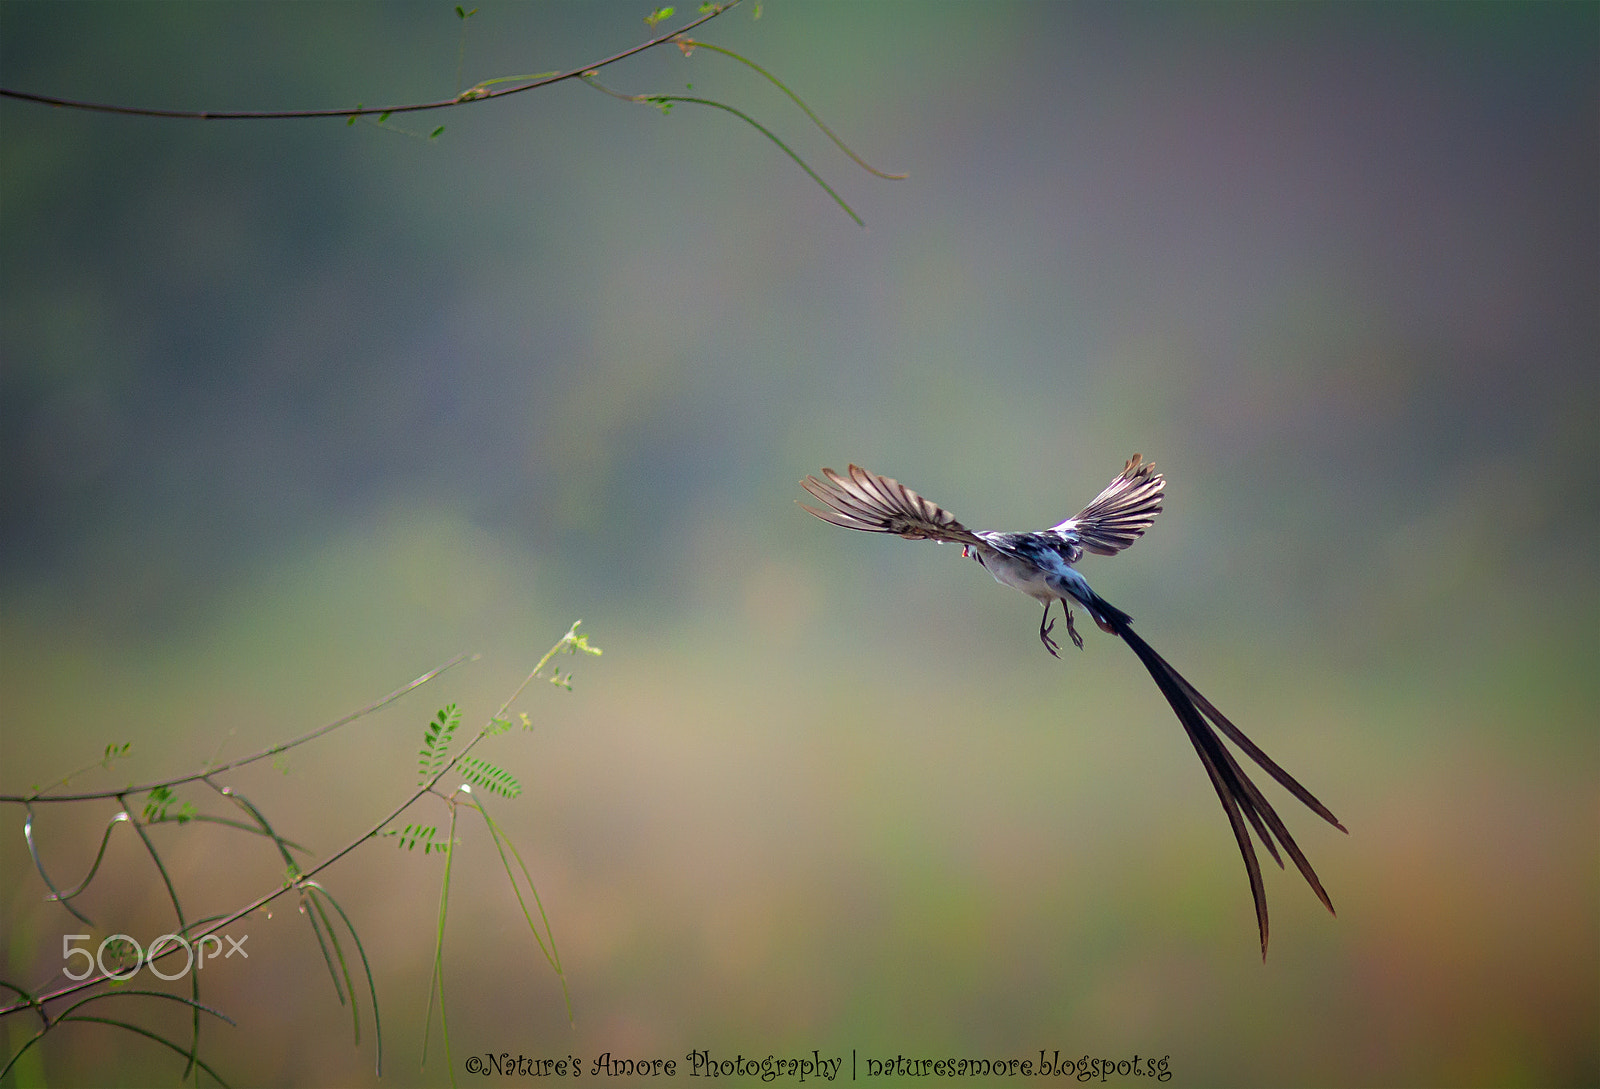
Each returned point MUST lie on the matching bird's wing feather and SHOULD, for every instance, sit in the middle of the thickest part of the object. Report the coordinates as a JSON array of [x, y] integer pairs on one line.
[[1121, 513], [878, 504]]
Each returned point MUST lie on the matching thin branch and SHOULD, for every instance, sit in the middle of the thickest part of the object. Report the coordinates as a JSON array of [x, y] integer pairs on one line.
[[131, 1028], [207, 818], [177, 909], [478, 93], [38, 863], [264, 826], [372, 987], [501, 841], [687, 44], [113, 753], [26, 799], [436, 981], [68, 1014], [570, 642], [663, 100]]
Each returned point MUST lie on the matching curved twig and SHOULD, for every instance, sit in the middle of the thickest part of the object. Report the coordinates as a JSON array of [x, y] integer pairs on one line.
[[177, 909], [686, 43], [472, 94], [28, 799], [372, 987], [570, 643], [664, 100], [38, 863], [131, 1027]]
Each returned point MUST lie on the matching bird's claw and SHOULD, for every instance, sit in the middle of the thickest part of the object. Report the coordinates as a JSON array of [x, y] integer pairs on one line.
[[1050, 644], [1077, 640]]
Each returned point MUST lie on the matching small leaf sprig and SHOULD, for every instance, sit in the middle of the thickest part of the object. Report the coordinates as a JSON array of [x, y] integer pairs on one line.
[[492, 779]]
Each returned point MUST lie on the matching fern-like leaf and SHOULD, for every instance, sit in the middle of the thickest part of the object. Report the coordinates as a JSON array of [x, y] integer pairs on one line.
[[436, 743], [411, 835], [156, 803], [493, 779]]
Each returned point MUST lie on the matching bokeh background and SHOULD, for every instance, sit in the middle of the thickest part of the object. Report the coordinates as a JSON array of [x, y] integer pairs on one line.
[[292, 411]]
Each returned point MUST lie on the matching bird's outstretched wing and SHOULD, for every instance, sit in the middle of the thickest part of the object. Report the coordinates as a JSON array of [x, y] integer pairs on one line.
[[877, 504], [1121, 513]]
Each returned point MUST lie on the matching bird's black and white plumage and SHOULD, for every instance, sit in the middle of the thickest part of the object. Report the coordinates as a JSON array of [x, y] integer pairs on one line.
[[1040, 565]]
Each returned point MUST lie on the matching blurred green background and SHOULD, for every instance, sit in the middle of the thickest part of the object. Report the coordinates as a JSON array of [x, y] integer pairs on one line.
[[291, 411]]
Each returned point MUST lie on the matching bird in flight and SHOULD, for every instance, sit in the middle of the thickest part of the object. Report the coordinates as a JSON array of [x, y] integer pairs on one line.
[[1040, 564]]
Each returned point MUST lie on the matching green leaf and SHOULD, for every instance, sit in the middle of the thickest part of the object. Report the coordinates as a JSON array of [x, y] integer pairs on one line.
[[413, 834], [547, 943], [155, 806], [581, 643], [435, 749], [434, 135], [659, 14], [491, 778]]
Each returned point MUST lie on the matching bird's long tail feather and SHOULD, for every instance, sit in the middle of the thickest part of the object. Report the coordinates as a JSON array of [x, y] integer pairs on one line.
[[1241, 799]]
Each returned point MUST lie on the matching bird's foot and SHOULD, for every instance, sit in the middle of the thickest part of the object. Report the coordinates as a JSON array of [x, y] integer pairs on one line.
[[1077, 640], [1050, 644]]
